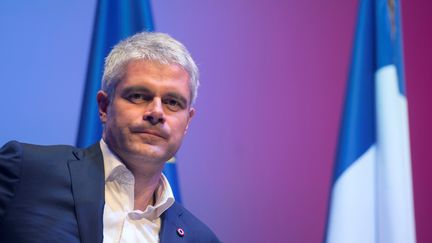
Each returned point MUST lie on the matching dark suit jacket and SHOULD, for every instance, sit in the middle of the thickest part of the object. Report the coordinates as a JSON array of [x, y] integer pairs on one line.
[[56, 194]]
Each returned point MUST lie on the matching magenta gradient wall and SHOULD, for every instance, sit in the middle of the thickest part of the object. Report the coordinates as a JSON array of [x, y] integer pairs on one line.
[[257, 162], [418, 60], [260, 151]]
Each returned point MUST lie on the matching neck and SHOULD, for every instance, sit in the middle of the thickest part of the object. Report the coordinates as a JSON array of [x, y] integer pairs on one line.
[[145, 190], [147, 176], [147, 179]]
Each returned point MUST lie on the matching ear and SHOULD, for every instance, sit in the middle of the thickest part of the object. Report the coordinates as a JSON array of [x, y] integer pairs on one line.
[[103, 102], [191, 113]]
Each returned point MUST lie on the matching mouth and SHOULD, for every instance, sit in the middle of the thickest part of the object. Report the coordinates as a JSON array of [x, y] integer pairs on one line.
[[152, 133]]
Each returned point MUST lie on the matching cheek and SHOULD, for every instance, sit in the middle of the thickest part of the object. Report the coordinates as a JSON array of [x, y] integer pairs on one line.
[[179, 127], [116, 125], [123, 116]]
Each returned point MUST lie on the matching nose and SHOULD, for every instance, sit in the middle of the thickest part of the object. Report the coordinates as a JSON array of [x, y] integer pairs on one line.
[[154, 112]]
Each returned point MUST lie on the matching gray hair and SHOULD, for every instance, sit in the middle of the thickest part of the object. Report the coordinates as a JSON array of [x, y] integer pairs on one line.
[[150, 46]]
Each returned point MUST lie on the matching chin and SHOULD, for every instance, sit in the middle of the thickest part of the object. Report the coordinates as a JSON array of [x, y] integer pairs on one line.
[[150, 153]]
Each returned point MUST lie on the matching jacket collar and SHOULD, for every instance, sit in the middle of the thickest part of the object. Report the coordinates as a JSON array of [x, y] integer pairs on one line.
[[172, 223], [87, 178]]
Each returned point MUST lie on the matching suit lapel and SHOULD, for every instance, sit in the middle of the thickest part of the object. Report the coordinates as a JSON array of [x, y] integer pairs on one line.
[[171, 223], [87, 177]]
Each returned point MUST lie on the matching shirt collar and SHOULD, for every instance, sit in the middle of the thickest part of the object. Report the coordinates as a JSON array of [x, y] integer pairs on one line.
[[116, 170]]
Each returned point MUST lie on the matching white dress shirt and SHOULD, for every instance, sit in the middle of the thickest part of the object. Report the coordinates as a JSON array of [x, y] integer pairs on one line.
[[121, 223]]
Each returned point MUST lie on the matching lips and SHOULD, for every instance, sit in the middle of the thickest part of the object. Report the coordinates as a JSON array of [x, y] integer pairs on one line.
[[151, 132]]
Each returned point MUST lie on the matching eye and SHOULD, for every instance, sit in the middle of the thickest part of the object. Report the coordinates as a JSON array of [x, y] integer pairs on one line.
[[173, 104], [138, 98]]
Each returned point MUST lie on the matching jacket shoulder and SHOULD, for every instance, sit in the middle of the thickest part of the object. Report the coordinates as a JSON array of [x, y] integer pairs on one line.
[[10, 172], [30, 151]]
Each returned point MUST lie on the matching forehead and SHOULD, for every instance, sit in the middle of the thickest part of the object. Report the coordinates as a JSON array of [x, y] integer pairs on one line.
[[155, 69], [155, 75]]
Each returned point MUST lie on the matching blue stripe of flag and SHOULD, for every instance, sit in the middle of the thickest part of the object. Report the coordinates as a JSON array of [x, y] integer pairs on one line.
[[357, 133]]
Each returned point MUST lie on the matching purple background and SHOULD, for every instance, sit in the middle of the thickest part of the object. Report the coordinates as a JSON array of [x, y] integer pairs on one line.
[[256, 164]]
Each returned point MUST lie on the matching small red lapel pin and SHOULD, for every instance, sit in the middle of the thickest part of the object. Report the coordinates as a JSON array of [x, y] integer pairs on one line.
[[180, 232]]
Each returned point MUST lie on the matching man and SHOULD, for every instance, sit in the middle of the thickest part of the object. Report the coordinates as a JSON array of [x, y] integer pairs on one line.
[[113, 191]]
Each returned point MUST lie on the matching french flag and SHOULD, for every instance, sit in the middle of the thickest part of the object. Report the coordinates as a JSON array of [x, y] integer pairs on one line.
[[371, 197]]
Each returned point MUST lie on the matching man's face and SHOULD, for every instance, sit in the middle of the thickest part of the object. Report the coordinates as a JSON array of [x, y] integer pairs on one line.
[[149, 112]]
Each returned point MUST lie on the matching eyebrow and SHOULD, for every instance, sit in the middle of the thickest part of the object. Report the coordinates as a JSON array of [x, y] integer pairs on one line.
[[137, 88]]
